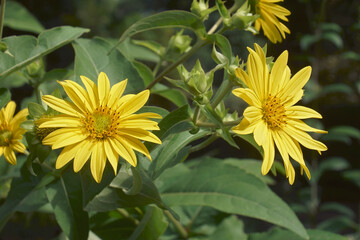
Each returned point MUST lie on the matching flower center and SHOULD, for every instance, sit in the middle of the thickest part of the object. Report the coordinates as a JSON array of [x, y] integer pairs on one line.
[[5, 137], [274, 112], [101, 123]]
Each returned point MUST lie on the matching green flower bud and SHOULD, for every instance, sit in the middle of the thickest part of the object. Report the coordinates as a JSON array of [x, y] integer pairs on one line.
[[3, 47], [35, 69], [201, 9], [243, 18], [180, 43]]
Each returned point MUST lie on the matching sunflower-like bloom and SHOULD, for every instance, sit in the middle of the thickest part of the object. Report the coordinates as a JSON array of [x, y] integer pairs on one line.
[[99, 122], [269, 13], [272, 116], [10, 132]]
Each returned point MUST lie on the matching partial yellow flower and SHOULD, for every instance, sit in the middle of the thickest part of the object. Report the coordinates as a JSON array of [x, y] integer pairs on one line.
[[10, 132], [272, 116], [99, 123], [270, 13]]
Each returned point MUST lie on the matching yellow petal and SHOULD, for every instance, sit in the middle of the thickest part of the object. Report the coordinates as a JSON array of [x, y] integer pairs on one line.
[[269, 153], [135, 103], [98, 161], [18, 146], [304, 139], [116, 92], [10, 155], [261, 133], [61, 121], [278, 73], [112, 155], [19, 117], [138, 146], [253, 113], [78, 95], [92, 90], [303, 126], [63, 137], [298, 81], [9, 111], [83, 154], [301, 112], [103, 88], [66, 155], [245, 127], [61, 105], [142, 115], [248, 96], [124, 150], [139, 123], [141, 134]]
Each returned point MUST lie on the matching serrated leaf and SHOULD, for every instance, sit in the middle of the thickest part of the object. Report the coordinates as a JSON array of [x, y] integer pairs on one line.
[[91, 58], [232, 190], [65, 197], [174, 18], [31, 50], [19, 18], [151, 226]]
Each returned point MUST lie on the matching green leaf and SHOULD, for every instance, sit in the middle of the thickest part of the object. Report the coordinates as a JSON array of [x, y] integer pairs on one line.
[[337, 88], [173, 95], [65, 197], [113, 196], [173, 150], [250, 166], [342, 134], [353, 176], [5, 97], [152, 45], [152, 226], [91, 58], [337, 224], [334, 38], [35, 200], [26, 49], [337, 207], [36, 110], [223, 43], [145, 72], [229, 189], [330, 164], [166, 19], [307, 40], [19, 18], [230, 228], [280, 234]]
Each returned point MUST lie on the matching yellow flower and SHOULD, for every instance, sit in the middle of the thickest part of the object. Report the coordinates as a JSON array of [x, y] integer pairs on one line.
[[10, 132], [99, 122], [272, 115], [269, 13]]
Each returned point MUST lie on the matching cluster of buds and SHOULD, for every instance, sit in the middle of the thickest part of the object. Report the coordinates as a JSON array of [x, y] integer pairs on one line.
[[197, 82]]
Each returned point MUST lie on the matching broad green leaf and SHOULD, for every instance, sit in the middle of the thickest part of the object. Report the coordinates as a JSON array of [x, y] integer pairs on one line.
[[5, 97], [21, 188], [337, 224], [336, 88], [229, 189], [251, 166], [152, 226], [113, 196], [26, 49], [334, 38], [173, 150], [230, 228], [65, 197], [307, 40], [166, 19], [19, 18], [106, 226], [91, 58], [173, 95], [35, 200], [328, 27], [15, 79], [37, 149], [330, 164], [281, 234], [144, 71], [223, 43]]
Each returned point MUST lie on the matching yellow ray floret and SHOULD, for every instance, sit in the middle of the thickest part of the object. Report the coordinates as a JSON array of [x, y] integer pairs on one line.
[[10, 132], [99, 124], [270, 13], [272, 116]]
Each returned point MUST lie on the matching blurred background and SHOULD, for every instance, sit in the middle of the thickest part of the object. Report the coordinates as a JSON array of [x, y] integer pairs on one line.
[[324, 34]]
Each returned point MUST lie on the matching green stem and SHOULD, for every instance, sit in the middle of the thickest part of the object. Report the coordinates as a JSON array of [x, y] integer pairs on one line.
[[157, 67], [196, 115], [196, 47], [204, 144], [188, 227], [180, 228], [213, 125], [219, 97], [37, 93], [2, 14], [125, 214]]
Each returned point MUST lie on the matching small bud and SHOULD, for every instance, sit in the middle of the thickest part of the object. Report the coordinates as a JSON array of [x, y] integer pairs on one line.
[[201, 9], [180, 43], [35, 69], [3, 47], [243, 18]]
